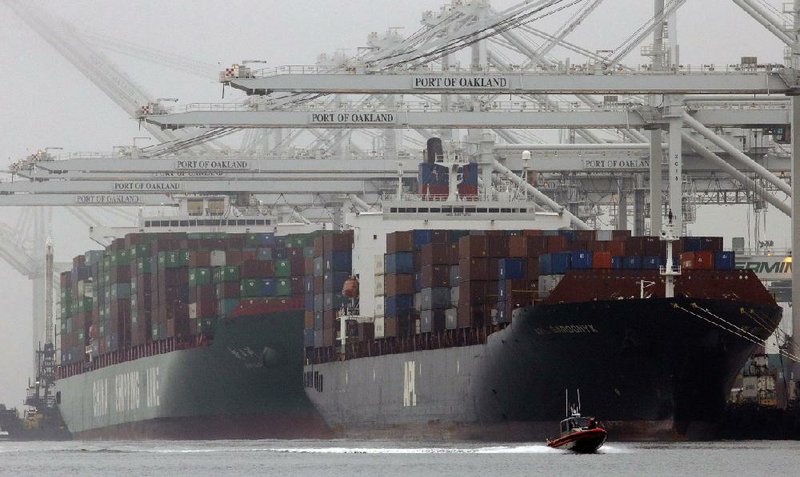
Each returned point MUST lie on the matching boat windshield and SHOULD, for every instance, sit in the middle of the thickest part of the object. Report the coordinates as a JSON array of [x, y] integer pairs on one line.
[[574, 423]]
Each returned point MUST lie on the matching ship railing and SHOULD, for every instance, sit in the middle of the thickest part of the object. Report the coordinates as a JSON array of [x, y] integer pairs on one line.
[[133, 353], [395, 345]]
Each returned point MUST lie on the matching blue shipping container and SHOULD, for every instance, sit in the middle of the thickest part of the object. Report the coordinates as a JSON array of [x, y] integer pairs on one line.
[[632, 263], [724, 260], [617, 263], [554, 263], [692, 244], [268, 287], [512, 268], [308, 338], [422, 237], [309, 301], [400, 262], [398, 304], [342, 261], [651, 263], [581, 259]]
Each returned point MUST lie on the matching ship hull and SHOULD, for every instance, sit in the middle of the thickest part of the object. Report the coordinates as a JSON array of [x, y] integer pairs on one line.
[[647, 369], [245, 384]]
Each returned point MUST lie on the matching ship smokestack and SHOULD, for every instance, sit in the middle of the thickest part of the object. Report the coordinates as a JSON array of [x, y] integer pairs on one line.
[[434, 150]]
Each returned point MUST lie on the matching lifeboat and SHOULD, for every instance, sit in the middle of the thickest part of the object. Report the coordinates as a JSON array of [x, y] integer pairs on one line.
[[350, 288]]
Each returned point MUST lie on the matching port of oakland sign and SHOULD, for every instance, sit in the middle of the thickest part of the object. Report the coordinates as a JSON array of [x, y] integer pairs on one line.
[[204, 165], [461, 82], [137, 186], [616, 164], [353, 118], [108, 199]]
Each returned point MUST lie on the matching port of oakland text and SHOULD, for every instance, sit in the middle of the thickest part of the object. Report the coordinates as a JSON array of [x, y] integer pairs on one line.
[[212, 165], [566, 329], [352, 118], [476, 82], [148, 186], [616, 164], [100, 199]]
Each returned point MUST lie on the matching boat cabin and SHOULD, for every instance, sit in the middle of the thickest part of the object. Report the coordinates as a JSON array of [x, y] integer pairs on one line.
[[577, 422]]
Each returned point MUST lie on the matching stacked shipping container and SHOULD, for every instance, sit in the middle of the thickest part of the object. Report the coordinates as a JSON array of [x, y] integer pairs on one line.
[[149, 287]]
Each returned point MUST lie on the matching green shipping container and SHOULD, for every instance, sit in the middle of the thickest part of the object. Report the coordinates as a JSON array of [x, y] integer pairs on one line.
[[143, 265], [283, 287], [251, 288], [283, 268], [199, 276], [229, 273]]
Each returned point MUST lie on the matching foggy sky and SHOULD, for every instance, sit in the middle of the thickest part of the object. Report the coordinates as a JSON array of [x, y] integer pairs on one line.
[[46, 102]]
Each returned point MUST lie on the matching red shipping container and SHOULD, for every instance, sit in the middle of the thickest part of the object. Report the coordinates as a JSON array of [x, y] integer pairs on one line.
[[557, 243], [475, 292], [199, 259], [497, 246], [402, 284], [308, 320], [400, 241], [697, 260], [257, 269], [435, 254], [601, 260], [435, 276], [298, 265], [473, 246], [471, 316], [297, 286], [474, 269], [617, 248]]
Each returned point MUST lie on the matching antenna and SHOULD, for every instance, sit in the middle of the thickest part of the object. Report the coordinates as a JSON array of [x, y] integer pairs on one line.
[[579, 399], [566, 396]]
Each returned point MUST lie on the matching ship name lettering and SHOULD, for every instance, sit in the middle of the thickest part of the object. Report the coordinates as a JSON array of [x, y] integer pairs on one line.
[[153, 395], [100, 398], [566, 329], [127, 391]]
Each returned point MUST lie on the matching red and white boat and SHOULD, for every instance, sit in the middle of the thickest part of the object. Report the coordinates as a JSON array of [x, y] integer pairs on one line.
[[579, 434]]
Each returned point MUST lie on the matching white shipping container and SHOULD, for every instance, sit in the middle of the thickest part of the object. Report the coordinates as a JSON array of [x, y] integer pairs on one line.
[[218, 258], [193, 310], [379, 307], [603, 235], [547, 283], [380, 284], [454, 294], [379, 327], [379, 265], [451, 318]]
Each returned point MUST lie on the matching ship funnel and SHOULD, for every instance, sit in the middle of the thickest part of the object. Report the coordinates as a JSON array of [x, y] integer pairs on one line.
[[434, 150]]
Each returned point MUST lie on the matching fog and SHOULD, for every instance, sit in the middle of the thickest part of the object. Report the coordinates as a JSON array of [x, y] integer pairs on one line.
[[47, 102]]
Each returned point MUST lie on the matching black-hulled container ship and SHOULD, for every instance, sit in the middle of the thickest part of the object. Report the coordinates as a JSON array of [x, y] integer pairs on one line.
[[464, 321], [187, 336]]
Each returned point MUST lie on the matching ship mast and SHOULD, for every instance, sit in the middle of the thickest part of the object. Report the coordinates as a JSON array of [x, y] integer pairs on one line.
[[668, 271]]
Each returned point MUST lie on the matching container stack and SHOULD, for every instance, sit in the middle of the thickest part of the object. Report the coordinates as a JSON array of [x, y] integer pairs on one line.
[[76, 310], [399, 311], [435, 255], [331, 263], [149, 287]]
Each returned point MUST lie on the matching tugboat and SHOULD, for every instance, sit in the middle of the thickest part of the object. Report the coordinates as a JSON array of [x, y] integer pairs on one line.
[[583, 435]]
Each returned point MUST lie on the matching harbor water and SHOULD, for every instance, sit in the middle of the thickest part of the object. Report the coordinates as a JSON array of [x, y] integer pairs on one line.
[[373, 458]]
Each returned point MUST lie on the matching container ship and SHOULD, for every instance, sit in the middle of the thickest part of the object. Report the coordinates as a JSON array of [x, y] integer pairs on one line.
[[188, 334], [467, 317]]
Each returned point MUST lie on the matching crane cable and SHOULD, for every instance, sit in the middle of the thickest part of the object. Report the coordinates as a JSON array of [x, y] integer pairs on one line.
[[735, 330], [474, 37]]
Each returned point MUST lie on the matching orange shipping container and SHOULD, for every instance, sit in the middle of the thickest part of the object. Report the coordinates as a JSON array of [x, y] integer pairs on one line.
[[601, 260]]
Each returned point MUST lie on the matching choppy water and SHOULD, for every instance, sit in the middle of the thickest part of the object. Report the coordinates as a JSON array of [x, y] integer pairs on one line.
[[381, 458]]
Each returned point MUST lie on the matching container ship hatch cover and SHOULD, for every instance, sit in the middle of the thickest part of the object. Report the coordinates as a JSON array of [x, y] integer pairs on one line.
[[178, 330], [472, 316]]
